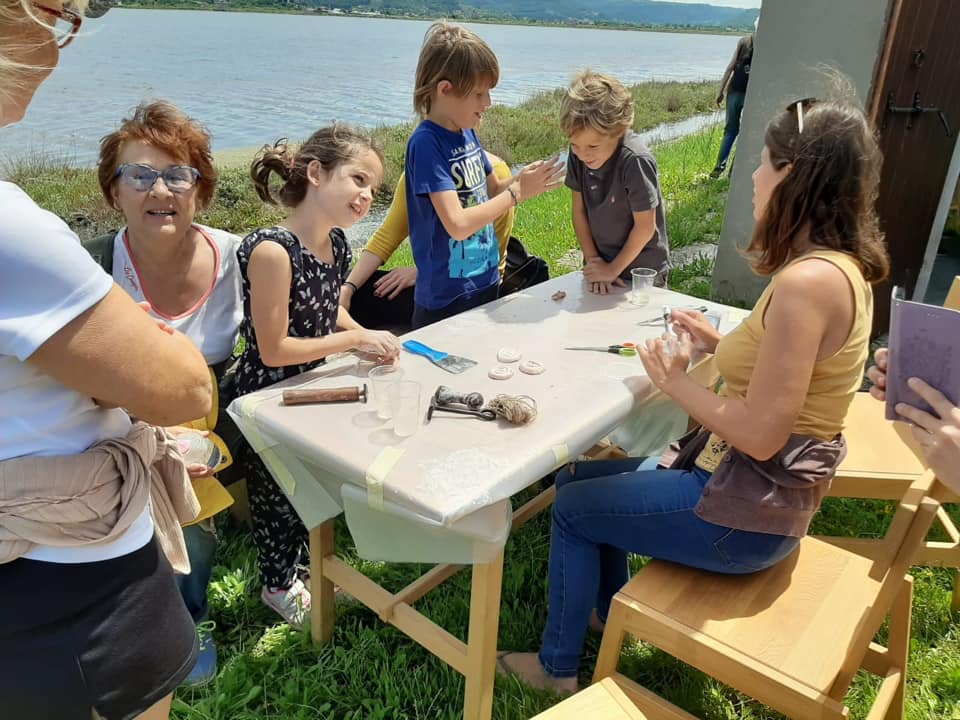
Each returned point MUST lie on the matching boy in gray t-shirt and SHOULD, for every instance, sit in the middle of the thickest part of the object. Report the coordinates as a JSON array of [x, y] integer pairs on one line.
[[618, 213]]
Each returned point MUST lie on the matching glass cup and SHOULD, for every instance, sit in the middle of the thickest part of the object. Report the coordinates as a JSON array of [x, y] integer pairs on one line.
[[405, 406], [381, 378], [642, 283]]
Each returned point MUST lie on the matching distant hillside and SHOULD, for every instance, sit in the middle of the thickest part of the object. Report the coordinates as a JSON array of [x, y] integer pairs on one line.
[[639, 12], [600, 12]]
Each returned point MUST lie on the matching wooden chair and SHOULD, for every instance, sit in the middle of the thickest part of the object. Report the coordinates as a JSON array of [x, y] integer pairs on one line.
[[883, 459], [792, 636], [614, 698]]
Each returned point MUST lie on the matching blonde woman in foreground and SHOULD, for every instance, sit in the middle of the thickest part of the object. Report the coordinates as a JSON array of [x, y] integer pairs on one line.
[[91, 622]]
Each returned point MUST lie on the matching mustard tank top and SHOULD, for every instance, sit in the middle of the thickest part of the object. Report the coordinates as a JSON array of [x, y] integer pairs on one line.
[[835, 379]]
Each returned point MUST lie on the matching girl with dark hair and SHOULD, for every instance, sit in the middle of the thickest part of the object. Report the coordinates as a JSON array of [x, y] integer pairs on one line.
[[292, 275], [743, 491]]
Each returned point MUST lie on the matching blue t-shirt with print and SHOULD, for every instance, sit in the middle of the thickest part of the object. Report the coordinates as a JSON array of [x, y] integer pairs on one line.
[[437, 160]]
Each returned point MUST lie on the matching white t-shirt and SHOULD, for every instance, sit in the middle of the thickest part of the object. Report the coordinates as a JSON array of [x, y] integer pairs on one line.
[[47, 279], [213, 322]]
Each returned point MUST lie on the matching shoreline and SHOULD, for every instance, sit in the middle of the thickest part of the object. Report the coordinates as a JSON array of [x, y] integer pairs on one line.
[[626, 27]]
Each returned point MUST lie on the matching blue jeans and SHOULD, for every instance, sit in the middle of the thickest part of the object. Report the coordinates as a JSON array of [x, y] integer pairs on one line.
[[605, 509], [201, 545], [731, 129]]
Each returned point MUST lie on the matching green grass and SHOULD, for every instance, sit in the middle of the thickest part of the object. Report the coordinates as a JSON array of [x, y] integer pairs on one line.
[[371, 670], [520, 134]]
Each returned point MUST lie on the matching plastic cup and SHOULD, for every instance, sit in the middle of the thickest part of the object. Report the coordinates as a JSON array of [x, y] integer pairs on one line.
[[642, 283], [405, 406], [381, 378]]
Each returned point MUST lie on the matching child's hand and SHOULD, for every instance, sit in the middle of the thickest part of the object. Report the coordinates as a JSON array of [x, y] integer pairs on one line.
[[378, 343], [538, 177], [395, 281], [604, 288], [693, 322], [598, 270]]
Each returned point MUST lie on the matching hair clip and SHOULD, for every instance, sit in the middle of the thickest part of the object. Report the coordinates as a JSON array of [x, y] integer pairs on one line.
[[798, 105]]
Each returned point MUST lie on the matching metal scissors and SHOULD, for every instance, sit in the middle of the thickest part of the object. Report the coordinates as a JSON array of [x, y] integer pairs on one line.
[[627, 349]]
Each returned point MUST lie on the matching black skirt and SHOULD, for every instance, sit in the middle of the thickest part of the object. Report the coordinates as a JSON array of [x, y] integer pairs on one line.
[[113, 636]]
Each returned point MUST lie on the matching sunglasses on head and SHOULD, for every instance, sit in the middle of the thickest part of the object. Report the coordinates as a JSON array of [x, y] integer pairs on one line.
[[67, 22], [800, 106], [142, 178]]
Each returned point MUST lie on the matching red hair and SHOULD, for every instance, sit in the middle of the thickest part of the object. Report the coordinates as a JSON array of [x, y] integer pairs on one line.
[[167, 128]]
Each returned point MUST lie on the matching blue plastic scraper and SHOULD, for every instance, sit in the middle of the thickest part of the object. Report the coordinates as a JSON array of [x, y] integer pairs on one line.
[[451, 363]]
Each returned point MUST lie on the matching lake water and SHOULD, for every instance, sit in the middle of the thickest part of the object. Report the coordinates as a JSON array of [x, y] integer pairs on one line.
[[252, 78]]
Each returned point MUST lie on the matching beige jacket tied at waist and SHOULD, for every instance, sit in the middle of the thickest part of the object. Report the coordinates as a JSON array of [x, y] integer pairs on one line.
[[93, 497]]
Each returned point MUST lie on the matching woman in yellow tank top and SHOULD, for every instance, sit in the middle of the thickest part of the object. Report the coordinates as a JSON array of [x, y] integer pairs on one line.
[[771, 438]]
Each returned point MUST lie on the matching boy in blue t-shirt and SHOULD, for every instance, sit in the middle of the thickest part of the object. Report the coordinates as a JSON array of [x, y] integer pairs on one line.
[[453, 195]]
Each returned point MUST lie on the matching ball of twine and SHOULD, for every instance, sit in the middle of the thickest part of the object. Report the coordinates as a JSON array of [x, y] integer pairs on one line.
[[516, 409]]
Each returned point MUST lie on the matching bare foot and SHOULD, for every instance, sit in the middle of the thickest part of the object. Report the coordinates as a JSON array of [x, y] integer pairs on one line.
[[596, 625], [528, 668]]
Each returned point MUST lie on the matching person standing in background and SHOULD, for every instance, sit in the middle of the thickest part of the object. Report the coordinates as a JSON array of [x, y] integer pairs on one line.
[[737, 75]]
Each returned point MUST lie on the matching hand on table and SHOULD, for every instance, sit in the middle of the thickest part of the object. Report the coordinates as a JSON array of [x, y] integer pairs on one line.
[[598, 270], [394, 282], [378, 344], [693, 322], [604, 288], [666, 358]]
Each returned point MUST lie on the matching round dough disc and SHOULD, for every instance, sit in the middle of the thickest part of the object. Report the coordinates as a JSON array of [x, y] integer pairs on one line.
[[531, 367], [508, 355], [500, 372]]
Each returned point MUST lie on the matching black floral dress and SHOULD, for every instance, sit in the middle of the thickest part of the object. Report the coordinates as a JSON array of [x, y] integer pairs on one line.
[[312, 307], [282, 540]]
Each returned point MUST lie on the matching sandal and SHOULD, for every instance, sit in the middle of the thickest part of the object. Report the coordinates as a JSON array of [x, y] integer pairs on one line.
[[535, 676]]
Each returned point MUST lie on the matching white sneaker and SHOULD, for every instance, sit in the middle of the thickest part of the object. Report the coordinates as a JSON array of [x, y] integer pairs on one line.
[[292, 604]]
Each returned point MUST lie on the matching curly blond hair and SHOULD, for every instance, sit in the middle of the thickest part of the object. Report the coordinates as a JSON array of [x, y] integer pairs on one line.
[[598, 102]]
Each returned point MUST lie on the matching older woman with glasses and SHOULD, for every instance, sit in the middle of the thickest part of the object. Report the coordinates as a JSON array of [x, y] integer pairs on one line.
[[91, 622], [157, 169]]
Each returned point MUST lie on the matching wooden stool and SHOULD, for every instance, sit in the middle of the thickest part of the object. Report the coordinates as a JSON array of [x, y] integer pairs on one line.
[[794, 635], [614, 698]]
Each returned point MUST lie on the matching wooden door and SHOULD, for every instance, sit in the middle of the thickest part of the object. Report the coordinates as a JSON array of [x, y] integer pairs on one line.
[[919, 67]]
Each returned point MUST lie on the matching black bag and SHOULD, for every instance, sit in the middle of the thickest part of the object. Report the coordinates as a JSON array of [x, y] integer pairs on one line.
[[682, 453], [523, 269]]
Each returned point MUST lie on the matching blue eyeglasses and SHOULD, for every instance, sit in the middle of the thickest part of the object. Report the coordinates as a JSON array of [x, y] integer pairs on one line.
[[142, 178]]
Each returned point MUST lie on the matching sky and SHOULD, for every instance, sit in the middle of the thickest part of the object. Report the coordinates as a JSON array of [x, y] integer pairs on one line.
[[728, 3]]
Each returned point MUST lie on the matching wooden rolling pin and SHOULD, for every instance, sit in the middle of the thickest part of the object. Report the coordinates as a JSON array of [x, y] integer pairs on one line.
[[351, 393]]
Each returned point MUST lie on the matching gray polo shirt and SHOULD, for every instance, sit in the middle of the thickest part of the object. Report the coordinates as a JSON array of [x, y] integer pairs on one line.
[[625, 184]]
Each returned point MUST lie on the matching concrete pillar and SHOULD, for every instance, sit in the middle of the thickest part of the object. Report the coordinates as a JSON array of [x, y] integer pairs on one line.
[[794, 41]]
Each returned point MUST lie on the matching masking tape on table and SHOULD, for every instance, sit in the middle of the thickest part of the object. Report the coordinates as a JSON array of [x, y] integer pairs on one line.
[[561, 454], [248, 405], [377, 473], [248, 408], [279, 471]]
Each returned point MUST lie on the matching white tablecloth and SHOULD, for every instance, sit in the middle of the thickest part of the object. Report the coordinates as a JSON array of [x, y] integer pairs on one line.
[[442, 495]]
